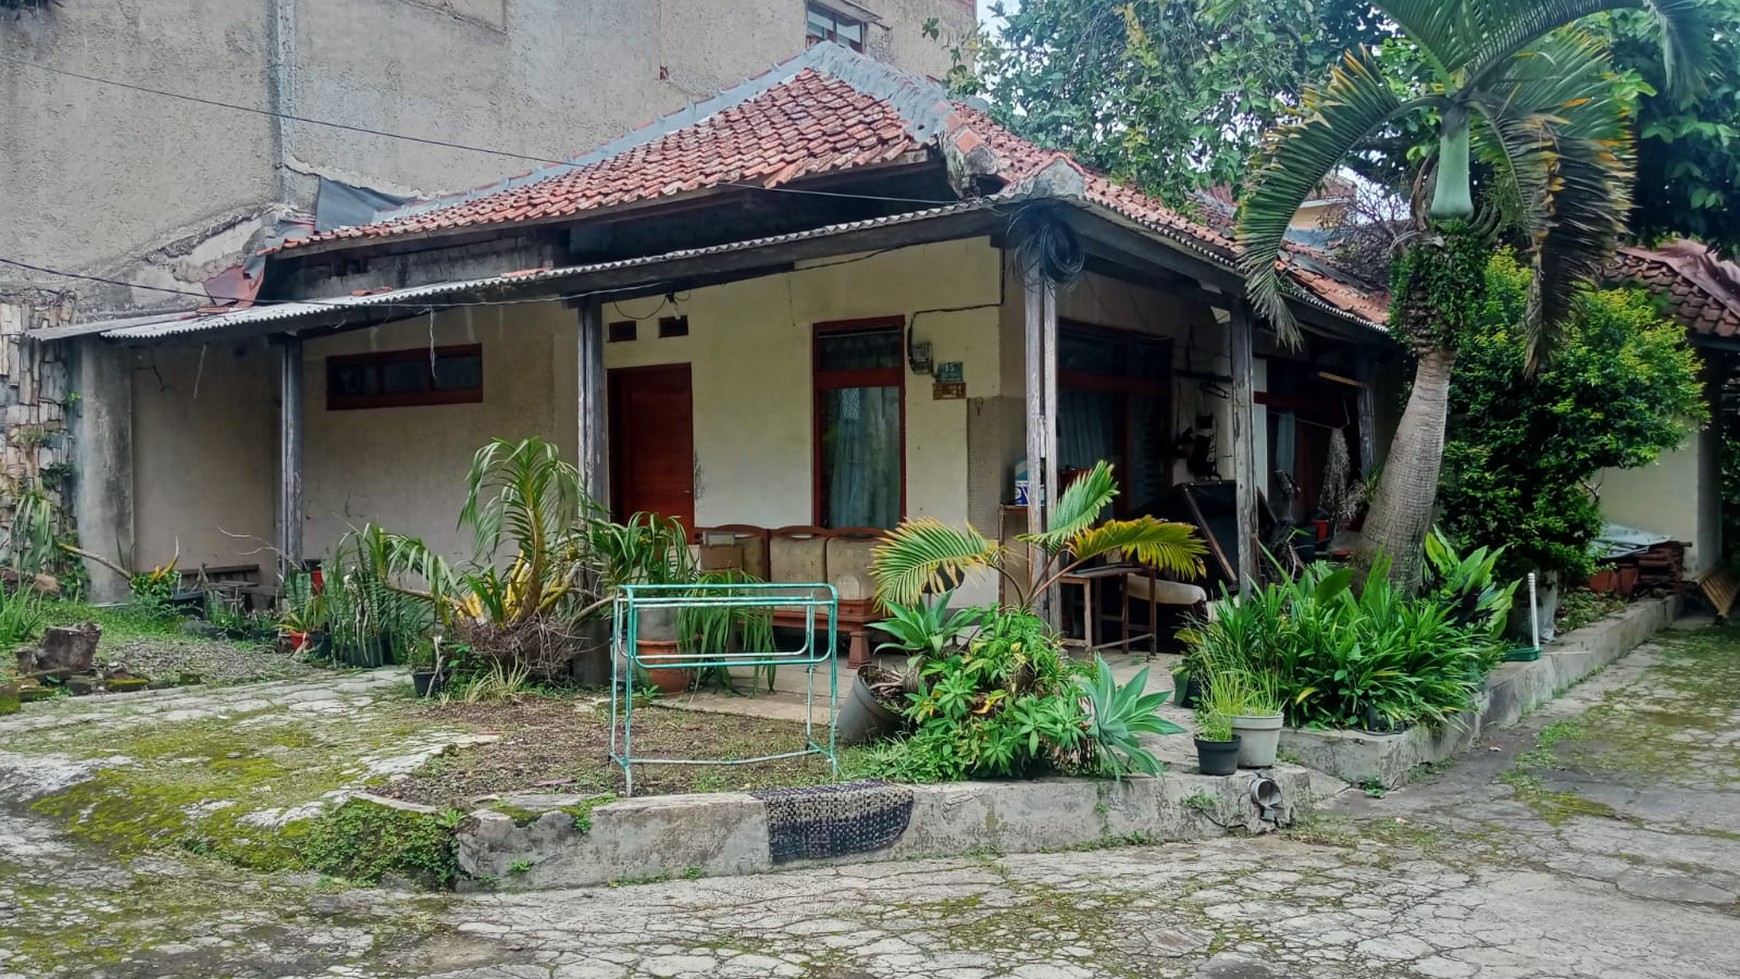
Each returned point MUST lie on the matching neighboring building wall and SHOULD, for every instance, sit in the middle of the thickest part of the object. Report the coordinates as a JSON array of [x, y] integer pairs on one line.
[[167, 192], [1680, 495], [205, 455]]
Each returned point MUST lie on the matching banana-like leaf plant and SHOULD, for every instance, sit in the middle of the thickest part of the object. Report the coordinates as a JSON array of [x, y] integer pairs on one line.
[[928, 555], [1523, 90]]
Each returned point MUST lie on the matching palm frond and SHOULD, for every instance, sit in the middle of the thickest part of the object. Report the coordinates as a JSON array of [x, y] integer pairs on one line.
[[1077, 508], [1438, 29], [920, 553], [1557, 132], [1510, 28], [1170, 548], [1294, 160]]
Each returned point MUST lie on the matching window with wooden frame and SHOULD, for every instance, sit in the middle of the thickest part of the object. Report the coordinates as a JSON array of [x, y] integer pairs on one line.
[[860, 422], [826, 25], [1113, 405], [405, 378]]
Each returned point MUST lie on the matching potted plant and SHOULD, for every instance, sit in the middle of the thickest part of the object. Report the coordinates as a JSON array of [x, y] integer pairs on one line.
[[1258, 725], [926, 632], [1217, 747], [428, 674], [648, 550], [1186, 686]]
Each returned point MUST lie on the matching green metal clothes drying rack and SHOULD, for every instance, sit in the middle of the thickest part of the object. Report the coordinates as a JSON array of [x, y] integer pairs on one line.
[[628, 657]]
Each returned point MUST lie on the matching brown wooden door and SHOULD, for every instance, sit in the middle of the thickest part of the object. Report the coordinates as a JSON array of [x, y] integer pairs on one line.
[[652, 442]]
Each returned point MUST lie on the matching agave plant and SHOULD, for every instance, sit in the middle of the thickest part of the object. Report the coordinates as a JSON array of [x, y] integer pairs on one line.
[[928, 555], [1119, 715], [925, 630]]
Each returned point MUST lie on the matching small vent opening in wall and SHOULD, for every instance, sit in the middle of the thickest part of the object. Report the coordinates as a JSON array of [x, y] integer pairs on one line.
[[623, 331], [673, 326]]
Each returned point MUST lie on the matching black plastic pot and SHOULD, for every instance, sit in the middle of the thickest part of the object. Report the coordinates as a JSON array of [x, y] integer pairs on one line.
[[1217, 757], [862, 717], [1187, 696], [428, 683], [1376, 723]]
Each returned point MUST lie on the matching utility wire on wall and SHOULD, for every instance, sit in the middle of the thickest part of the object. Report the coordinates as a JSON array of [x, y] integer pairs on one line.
[[429, 141]]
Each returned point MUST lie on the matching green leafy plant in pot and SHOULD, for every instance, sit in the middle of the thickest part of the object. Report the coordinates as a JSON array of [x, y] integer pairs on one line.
[[927, 632], [652, 550], [428, 667], [1217, 747], [1258, 726]]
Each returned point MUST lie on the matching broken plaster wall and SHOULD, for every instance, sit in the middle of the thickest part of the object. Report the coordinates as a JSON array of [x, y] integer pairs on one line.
[[35, 398]]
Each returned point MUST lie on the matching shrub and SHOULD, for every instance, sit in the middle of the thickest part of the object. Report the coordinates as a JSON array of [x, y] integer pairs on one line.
[[1337, 659], [1620, 388], [1011, 705]]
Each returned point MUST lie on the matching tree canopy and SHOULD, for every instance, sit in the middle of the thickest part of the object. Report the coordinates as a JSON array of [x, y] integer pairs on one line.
[[1169, 94], [1521, 450], [1173, 96]]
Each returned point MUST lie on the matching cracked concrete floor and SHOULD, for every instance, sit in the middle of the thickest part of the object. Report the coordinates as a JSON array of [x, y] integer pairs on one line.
[[1600, 838]]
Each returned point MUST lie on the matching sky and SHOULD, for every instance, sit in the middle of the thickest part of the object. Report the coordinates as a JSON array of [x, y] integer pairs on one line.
[[985, 7]]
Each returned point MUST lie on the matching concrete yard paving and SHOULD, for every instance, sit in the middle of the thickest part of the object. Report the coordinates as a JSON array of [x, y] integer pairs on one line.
[[1599, 838]]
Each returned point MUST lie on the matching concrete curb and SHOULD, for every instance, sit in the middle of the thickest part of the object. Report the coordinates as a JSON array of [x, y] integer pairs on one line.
[[730, 834], [1512, 690]]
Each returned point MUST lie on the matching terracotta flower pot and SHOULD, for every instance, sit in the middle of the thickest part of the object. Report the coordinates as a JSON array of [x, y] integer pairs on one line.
[[1602, 582], [1625, 579], [671, 680]]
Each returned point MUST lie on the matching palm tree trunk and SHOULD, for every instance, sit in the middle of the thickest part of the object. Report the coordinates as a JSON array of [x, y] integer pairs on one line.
[[1401, 511]]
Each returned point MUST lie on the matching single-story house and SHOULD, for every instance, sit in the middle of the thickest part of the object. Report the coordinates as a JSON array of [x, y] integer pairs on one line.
[[830, 296]]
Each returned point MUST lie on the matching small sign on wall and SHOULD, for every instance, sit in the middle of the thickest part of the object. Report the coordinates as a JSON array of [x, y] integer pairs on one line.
[[951, 372], [948, 391]]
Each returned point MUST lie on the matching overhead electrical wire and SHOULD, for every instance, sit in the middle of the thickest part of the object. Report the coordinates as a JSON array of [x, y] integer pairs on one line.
[[425, 140]]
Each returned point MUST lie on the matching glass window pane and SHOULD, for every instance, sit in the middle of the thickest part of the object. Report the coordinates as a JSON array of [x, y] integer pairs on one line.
[[463, 372], [1150, 361], [861, 457], [404, 376], [850, 32], [859, 350], [820, 24], [353, 381], [1089, 354]]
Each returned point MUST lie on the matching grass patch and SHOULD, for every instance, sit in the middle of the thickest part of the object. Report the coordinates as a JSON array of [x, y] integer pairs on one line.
[[120, 622]]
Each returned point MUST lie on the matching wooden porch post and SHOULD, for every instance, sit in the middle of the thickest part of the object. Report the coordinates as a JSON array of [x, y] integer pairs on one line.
[[594, 414], [290, 455], [1041, 353], [1244, 444]]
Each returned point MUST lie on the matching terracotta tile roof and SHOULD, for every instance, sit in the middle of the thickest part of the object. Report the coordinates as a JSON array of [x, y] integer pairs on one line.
[[826, 111], [1702, 290]]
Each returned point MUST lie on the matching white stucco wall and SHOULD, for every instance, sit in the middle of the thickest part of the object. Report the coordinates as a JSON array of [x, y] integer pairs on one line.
[[1680, 495], [205, 454], [750, 344], [405, 467]]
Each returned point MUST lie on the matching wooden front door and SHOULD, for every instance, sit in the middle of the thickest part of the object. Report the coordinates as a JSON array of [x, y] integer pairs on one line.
[[652, 442]]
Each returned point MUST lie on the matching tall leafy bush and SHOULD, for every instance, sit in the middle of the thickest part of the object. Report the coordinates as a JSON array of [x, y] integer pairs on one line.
[[1522, 448]]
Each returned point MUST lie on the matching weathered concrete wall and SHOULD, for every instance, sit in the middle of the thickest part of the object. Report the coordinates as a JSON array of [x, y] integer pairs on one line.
[[103, 458], [727, 833], [91, 176], [204, 454], [1511, 691], [165, 191]]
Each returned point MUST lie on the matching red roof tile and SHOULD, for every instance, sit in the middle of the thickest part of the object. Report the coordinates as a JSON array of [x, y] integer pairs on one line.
[[825, 112], [1702, 290]]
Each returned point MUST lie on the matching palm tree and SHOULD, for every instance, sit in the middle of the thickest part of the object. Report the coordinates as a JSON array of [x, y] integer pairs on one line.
[[1531, 94], [928, 555]]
